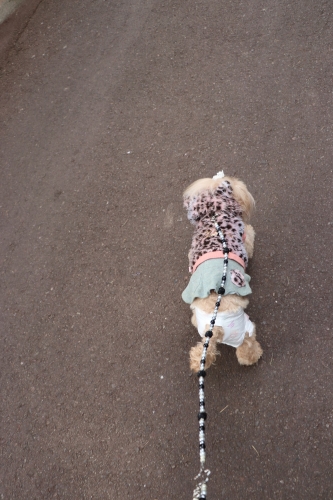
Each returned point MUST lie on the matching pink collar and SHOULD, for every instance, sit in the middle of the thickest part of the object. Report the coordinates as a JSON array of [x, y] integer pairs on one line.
[[217, 255]]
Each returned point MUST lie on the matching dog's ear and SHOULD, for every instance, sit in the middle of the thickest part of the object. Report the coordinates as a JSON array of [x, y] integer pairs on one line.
[[244, 198], [198, 186], [192, 198]]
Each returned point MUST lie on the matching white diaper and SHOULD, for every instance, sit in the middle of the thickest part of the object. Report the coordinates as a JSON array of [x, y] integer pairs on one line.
[[234, 324]]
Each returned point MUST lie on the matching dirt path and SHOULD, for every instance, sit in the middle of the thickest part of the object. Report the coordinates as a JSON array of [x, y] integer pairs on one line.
[[108, 111]]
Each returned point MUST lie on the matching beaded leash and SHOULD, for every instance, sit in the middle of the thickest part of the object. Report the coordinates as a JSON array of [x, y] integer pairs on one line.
[[200, 492]]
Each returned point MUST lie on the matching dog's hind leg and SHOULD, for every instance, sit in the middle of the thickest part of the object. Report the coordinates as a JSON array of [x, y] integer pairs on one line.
[[250, 351], [212, 352]]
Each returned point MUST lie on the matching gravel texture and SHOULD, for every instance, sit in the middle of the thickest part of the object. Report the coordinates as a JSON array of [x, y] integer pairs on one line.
[[108, 111]]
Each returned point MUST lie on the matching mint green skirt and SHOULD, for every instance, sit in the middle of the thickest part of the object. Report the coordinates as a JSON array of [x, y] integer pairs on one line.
[[208, 277]]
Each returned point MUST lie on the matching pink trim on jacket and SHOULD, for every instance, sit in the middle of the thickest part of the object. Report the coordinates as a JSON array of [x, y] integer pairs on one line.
[[217, 255]]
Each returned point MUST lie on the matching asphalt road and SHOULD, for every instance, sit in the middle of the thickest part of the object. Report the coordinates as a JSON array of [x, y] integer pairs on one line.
[[109, 109]]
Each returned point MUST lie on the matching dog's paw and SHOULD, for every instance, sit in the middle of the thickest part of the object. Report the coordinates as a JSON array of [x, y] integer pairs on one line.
[[195, 357], [249, 352]]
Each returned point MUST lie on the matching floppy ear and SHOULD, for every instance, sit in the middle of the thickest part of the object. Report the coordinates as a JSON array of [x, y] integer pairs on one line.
[[192, 198], [200, 185], [244, 198]]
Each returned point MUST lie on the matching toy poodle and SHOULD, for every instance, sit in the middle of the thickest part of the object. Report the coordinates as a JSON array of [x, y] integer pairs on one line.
[[227, 201]]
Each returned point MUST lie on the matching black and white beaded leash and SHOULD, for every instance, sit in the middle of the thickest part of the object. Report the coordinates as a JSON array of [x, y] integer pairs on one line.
[[200, 492]]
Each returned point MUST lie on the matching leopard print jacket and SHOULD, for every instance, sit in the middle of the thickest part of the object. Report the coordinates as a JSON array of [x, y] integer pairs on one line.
[[228, 213]]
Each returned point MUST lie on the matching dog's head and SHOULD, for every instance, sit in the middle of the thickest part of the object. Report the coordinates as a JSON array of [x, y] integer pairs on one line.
[[239, 192]]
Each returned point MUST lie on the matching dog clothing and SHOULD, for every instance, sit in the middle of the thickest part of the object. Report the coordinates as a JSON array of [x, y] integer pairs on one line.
[[228, 214], [206, 256], [235, 325], [206, 259], [207, 277]]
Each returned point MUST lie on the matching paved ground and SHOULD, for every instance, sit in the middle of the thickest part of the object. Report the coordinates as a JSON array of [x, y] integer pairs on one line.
[[108, 111], [7, 7]]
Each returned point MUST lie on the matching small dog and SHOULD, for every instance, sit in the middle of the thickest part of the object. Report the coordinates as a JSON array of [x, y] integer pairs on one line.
[[228, 200]]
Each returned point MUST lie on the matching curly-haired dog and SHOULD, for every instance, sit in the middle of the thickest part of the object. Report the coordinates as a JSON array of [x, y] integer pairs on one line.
[[228, 200]]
